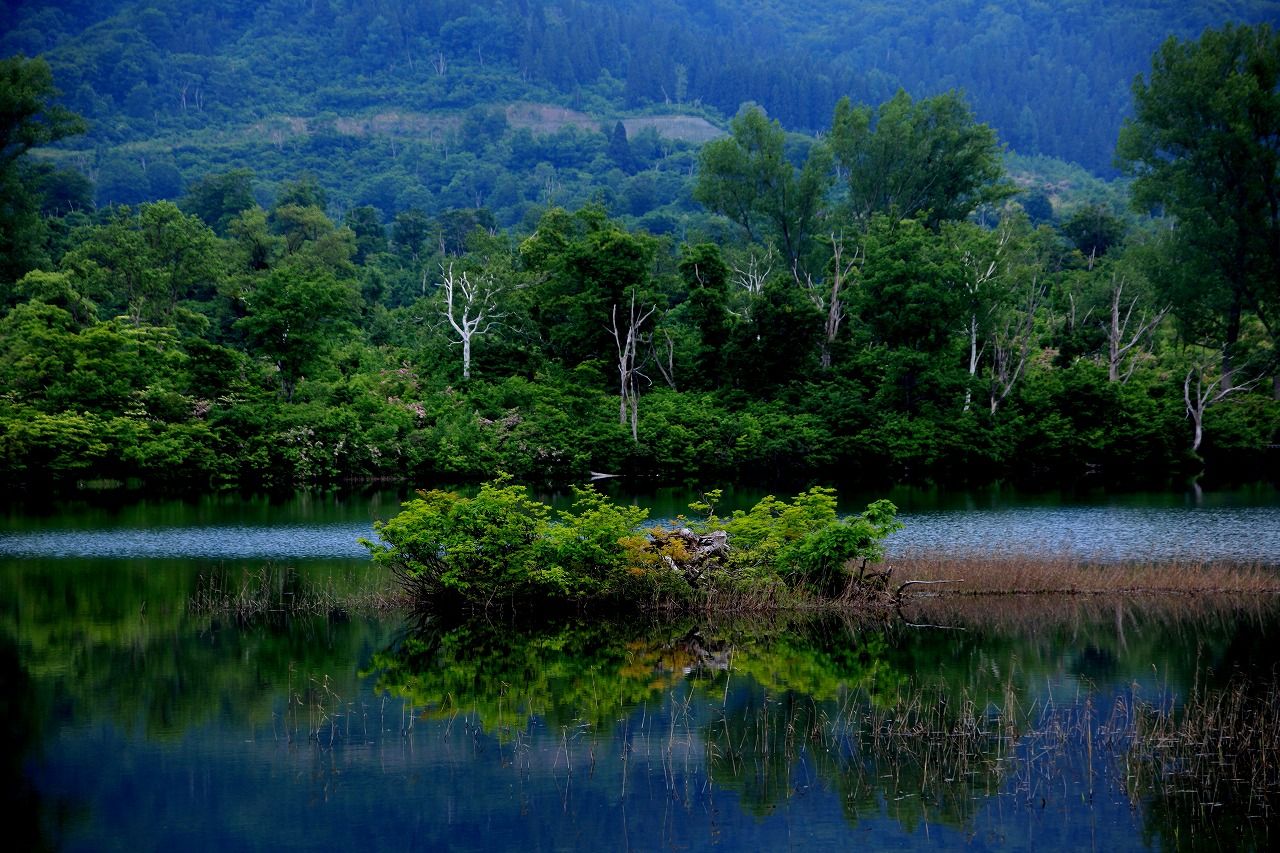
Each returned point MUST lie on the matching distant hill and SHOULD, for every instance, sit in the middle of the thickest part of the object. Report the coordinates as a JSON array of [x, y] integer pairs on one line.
[[398, 92]]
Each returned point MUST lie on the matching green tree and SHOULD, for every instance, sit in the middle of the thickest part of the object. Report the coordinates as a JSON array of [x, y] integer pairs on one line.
[[749, 178], [294, 319], [371, 237], [927, 159], [28, 118], [219, 199], [912, 307], [1202, 147], [145, 264], [591, 265], [706, 276]]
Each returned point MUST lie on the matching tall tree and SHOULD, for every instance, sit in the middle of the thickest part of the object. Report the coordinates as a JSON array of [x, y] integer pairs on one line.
[[218, 199], [748, 178], [28, 117], [927, 159], [295, 317], [143, 264], [706, 276], [1204, 146]]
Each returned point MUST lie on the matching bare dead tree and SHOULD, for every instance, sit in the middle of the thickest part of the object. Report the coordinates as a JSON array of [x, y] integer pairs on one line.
[[471, 309], [829, 298], [981, 270], [663, 353], [752, 276], [1012, 343], [628, 344], [1207, 393], [1122, 344]]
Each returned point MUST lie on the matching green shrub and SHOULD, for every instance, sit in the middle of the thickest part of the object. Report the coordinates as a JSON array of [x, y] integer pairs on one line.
[[501, 546], [805, 542]]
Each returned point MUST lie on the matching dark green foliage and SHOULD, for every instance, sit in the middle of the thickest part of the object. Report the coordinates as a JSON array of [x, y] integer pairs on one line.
[[366, 224], [219, 198], [749, 178], [927, 159], [1094, 230], [501, 546], [1202, 147], [706, 278], [28, 117], [221, 341]]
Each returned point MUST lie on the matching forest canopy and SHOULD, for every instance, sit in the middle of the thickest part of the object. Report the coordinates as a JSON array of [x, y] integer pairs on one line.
[[882, 299]]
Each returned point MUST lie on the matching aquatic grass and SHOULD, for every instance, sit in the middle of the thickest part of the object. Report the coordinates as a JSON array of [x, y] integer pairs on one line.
[[1042, 613], [274, 591], [1006, 574], [1217, 749]]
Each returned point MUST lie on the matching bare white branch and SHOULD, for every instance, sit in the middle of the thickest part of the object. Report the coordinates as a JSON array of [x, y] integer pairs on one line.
[[471, 309]]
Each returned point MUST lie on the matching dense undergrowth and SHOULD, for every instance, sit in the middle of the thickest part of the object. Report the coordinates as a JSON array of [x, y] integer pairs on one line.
[[501, 547]]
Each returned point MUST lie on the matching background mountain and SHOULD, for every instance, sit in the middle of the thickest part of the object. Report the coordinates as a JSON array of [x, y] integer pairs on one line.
[[512, 104]]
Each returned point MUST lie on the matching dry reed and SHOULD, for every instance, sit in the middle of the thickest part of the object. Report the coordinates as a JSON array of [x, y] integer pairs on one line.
[[1021, 575], [1036, 615]]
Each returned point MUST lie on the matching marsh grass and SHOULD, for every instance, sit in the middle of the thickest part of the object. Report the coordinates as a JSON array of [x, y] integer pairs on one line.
[[1036, 575], [1118, 614], [928, 754], [273, 592], [1218, 750]]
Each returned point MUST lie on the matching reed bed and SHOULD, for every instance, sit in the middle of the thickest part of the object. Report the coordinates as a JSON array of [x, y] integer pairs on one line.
[[1220, 749], [1035, 575], [281, 591], [927, 751], [1047, 613]]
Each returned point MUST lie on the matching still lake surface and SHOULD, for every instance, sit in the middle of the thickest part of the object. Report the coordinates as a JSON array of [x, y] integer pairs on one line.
[[136, 722]]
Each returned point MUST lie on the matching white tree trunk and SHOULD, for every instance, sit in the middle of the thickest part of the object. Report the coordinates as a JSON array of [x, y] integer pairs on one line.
[[470, 308], [628, 346]]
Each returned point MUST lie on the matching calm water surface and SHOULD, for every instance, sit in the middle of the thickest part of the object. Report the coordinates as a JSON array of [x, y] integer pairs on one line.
[[135, 722], [1239, 525]]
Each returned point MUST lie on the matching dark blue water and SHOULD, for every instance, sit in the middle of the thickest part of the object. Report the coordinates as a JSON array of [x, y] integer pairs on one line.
[[1240, 525], [135, 721]]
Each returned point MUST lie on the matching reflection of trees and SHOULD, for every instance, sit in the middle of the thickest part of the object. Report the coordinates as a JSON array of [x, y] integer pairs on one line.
[[918, 755], [22, 716], [893, 720], [564, 674], [921, 726], [115, 639], [775, 707], [594, 671]]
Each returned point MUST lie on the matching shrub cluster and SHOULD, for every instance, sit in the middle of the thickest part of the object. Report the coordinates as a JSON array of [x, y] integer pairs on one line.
[[503, 547]]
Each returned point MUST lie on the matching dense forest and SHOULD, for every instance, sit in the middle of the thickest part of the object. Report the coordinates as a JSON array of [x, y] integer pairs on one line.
[[403, 254], [447, 103]]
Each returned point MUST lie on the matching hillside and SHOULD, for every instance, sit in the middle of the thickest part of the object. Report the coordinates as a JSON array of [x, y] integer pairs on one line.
[[399, 92]]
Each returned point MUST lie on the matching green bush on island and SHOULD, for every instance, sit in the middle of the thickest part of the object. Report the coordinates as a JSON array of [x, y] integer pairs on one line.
[[504, 547]]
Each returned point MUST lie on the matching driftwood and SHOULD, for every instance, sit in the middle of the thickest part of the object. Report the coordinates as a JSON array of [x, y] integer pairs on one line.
[[690, 554]]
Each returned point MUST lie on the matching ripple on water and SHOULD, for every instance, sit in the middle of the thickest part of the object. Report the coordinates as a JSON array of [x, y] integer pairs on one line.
[[224, 542], [1107, 533], [1104, 533]]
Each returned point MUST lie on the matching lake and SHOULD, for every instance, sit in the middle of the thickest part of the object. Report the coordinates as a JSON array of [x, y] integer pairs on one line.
[[137, 720]]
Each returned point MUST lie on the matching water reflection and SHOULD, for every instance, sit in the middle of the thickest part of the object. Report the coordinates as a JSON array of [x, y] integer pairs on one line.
[[476, 735], [141, 713]]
